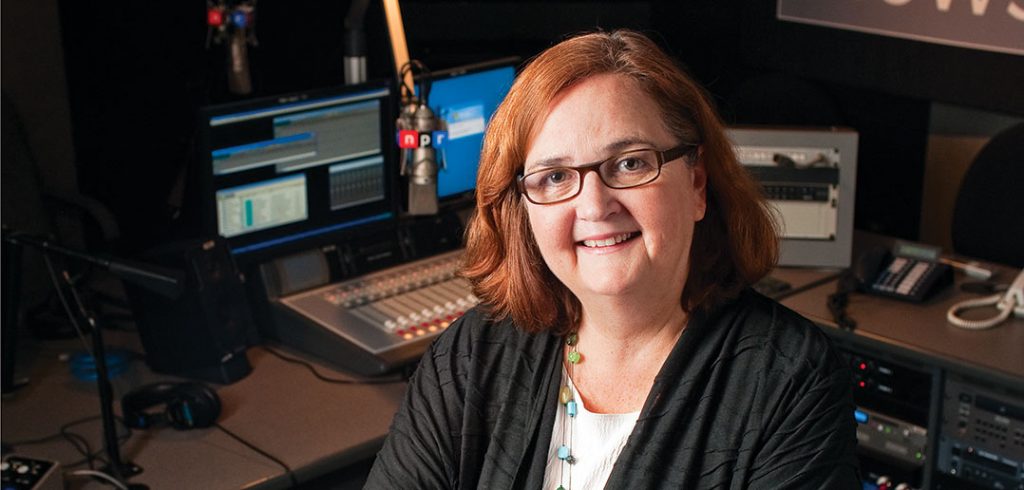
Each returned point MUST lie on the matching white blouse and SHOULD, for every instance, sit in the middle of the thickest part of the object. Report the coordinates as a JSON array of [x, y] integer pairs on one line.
[[594, 439]]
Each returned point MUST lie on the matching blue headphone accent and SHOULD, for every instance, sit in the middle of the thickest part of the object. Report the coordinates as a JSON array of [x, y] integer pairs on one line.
[[186, 406]]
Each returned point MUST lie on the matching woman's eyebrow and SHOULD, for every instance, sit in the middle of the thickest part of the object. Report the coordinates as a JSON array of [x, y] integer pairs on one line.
[[622, 144], [611, 149], [560, 161]]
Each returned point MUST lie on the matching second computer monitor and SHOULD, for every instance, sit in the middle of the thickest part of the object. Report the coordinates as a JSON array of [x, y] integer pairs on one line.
[[291, 172], [466, 98]]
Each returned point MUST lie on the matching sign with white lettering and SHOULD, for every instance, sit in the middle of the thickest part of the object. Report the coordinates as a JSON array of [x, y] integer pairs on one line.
[[992, 25]]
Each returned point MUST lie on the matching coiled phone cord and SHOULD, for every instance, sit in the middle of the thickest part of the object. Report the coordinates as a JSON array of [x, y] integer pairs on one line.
[[1005, 310]]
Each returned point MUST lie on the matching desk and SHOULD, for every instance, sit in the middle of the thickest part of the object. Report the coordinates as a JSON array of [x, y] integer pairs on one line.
[[317, 428], [313, 426], [922, 329], [958, 393]]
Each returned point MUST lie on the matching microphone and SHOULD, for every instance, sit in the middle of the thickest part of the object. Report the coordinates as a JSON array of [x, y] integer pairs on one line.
[[234, 26], [239, 80], [355, 43], [420, 135], [164, 281]]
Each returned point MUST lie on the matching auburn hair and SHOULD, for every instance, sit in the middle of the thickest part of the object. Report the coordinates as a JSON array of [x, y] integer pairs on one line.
[[733, 246]]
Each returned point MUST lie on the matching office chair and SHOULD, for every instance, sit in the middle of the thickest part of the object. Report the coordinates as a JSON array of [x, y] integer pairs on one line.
[[30, 206], [988, 216]]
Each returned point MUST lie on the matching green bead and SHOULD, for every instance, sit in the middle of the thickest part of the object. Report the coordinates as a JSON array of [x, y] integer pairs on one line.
[[574, 357], [565, 395], [572, 339], [561, 487]]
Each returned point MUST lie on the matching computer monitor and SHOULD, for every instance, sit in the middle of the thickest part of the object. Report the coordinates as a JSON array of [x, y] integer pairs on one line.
[[466, 98], [284, 173], [809, 178]]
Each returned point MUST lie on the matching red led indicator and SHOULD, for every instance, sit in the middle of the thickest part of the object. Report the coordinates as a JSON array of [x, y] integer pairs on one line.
[[214, 17], [863, 366], [862, 384]]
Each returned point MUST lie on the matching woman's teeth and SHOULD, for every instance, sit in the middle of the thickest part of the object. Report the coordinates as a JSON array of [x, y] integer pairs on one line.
[[607, 242]]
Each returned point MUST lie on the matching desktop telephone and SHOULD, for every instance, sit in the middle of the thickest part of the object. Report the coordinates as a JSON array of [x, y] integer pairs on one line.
[[905, 274], [1012, 301], [902, 274]]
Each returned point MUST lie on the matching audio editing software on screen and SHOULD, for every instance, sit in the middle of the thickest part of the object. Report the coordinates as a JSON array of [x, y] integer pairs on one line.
[[286, 169]]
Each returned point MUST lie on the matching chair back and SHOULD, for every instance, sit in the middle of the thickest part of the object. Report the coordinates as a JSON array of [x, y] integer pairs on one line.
[[988, 217]]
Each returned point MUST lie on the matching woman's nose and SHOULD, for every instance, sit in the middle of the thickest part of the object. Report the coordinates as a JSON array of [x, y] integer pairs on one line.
[[595, 201]]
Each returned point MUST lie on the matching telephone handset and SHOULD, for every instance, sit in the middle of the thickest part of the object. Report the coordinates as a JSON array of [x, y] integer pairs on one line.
[[1012, 301], [901, 276]]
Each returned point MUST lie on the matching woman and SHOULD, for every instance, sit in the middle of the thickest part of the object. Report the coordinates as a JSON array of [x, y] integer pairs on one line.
[[619, 345]]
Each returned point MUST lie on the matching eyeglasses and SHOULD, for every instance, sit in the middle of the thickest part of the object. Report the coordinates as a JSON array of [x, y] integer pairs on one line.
[[629, 169]]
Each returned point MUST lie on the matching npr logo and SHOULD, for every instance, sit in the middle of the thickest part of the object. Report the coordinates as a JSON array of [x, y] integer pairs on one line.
[[409, 139]]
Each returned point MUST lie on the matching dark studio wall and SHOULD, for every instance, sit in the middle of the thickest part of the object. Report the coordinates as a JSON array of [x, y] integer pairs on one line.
[[138, 71]]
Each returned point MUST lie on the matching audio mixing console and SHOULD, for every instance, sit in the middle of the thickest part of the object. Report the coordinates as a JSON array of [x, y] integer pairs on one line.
[[377, 322]]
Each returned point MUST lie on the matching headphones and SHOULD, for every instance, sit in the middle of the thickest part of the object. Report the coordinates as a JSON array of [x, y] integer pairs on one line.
[[188, 406]]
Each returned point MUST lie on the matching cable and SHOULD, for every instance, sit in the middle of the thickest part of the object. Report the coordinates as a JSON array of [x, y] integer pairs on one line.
[[78, 441], [287, 469], [332, 380], [29, 442], [408, 93], [81, 444], [837, 303], [93, 456], [839, 300], [952, 316], [99, 474]]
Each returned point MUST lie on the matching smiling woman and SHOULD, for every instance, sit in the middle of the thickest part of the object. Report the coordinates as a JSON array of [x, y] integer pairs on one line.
[[608, 116], [618, 343]]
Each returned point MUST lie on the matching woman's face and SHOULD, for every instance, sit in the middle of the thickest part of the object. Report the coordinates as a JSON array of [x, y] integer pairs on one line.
[[607, 242]]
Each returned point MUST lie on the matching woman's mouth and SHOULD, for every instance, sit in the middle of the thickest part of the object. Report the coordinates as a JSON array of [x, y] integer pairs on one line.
[[607, 242]]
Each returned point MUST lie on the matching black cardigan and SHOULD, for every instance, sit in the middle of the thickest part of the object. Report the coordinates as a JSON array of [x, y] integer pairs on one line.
[[752, 396]]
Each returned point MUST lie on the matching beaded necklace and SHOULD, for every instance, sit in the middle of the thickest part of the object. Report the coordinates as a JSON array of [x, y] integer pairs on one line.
[[565, 397]]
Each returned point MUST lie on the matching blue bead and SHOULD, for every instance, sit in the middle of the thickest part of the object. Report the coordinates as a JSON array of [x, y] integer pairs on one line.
[[563, 452], [571, 408]]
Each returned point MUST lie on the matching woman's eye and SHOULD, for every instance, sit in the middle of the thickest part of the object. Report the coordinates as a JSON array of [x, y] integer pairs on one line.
[[632, 164], [555, 177]]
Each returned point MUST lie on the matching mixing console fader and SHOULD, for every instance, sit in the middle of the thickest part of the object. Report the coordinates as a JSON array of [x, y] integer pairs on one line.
[[380, 321]]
